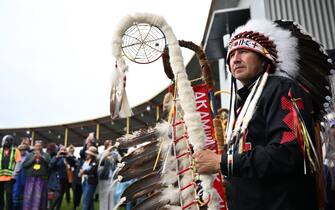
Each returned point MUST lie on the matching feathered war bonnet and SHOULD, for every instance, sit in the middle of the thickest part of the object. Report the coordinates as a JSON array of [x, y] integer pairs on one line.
[[292, 52], [289, 52]]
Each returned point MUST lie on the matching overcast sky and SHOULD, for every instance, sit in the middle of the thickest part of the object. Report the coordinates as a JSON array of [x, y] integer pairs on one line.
[[56, 61]]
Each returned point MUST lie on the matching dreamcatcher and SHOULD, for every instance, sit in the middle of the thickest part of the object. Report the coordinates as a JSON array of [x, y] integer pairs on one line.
[[143, 43], [142, 39]]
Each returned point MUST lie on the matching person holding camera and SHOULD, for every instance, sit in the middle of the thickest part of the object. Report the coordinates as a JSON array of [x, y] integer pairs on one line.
[[58, 177]]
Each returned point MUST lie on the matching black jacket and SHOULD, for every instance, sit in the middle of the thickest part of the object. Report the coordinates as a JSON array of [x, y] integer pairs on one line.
[[92, 173], [269, 174], [30, 161]]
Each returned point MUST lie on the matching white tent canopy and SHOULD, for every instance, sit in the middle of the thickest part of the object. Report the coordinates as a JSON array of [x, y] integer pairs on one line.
[[56, 61]]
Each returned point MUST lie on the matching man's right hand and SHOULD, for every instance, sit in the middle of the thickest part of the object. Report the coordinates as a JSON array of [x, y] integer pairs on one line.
[[37, 154], [207, 162]]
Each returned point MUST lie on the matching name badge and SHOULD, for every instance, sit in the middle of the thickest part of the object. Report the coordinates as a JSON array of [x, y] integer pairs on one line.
[[37, 166]]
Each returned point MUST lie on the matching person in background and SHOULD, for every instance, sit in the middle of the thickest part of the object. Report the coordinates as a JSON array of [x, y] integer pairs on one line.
[[89, 175], [69, 171], [76, 184], [53, 181], [108, 160], [52, 150], [9, 157], [20, 177], [58, 166], [26, 141], [89, 141], [36, 167]]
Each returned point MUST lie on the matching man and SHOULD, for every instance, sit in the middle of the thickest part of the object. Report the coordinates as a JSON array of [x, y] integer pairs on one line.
[[267, 164], [9, 157]]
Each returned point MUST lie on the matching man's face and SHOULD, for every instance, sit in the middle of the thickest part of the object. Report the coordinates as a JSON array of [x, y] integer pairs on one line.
[[244, 65], [38, 146]]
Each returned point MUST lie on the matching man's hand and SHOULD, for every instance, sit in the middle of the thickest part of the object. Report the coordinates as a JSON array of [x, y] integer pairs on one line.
[[37, 154], [207, 162], [90, 138]]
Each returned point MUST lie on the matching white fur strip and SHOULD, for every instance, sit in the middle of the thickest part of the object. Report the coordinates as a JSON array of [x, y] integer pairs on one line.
[[171, 194], [192, 118], [170, 177], [185, 91], [254, 101]]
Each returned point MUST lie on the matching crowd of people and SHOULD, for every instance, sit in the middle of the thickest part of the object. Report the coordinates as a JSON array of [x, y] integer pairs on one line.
[[37, 177]]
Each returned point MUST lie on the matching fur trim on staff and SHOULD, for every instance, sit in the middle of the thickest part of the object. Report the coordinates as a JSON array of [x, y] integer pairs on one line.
[[171, 194], [164, 129], [185, 92]]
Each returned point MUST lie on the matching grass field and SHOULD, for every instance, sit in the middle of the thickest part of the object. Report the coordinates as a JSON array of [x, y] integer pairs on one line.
[[69, 206]]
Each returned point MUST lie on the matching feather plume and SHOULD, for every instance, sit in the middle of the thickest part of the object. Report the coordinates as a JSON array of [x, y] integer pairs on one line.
[[152, 202], [137, 161], [138, 137], [145, 169], [140, 151], [119, 106], [142, 186], [313, 64]]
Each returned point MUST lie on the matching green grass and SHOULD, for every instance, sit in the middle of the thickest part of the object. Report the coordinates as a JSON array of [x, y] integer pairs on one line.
[[69, 206]]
